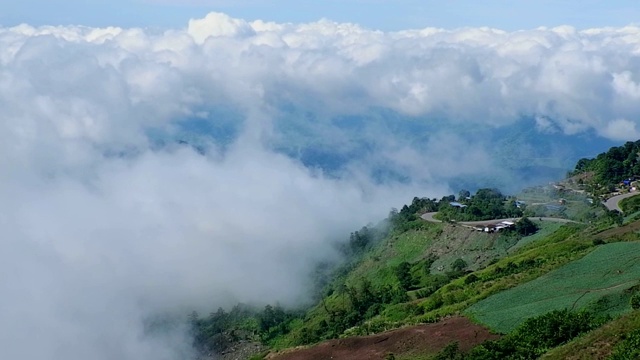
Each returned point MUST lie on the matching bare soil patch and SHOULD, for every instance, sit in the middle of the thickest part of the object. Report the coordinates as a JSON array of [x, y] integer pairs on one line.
[[415, 340]]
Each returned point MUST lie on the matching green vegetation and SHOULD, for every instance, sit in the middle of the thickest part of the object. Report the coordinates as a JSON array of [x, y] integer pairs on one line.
[[540, 283], [532, 338], [579, 284], [630, 205], [629, 348], [610, 168], [526, 227], [486, 204], [599, 343], [379, 288], [545, 228]]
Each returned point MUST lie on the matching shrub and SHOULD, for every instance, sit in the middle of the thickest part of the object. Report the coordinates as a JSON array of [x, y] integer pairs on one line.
[[450, 352], [536, 335], [458, 265], [471, 279], [526, 227], [635, 302], [629, 348], [433, 303]]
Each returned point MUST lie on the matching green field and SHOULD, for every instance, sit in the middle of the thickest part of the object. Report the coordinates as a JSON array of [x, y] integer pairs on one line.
[[546, 228], [598, 279]]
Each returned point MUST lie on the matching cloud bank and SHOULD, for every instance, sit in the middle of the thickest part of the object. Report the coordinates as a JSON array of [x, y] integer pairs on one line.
[[148, 172]]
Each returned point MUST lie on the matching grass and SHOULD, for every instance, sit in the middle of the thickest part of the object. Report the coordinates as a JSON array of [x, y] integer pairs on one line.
[[625, 232], [608, 270], [630, 204], [546, 228], [457, 296], [379, 265], [479, 249], [548, 253], [260, 356], [599, 343], [631, 217], [554, 246]]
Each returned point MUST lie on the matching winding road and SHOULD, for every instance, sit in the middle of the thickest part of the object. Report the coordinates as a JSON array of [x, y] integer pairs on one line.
[[429, 217], [613, 203]]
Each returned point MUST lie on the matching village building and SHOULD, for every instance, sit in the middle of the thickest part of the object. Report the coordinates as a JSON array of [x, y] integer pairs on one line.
[[491, 228]]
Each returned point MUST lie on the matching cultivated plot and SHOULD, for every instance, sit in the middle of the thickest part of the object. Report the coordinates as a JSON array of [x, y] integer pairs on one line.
[[609, 270]]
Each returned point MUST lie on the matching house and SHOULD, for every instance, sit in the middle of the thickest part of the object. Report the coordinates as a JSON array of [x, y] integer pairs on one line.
[[491, 228]]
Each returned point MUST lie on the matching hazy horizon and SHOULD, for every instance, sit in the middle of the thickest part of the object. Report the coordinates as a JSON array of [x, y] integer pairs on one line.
[[150, 171]]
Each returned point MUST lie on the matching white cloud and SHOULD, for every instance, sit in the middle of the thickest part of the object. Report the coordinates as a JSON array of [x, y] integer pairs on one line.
[[217, 25], [622, 130], [106, 220]]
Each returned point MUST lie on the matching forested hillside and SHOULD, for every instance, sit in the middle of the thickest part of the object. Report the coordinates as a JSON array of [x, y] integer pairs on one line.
[[611, 167]]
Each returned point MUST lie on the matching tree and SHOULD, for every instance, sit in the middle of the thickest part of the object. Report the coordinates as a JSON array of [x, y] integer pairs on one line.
[[615, 217], [463, 195], [270, 317], [450, 352], [635, 302], [525, 227], [459, 265], [403, 272]]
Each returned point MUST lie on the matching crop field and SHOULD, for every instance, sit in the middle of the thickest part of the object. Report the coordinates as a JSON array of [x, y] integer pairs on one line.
[[603, 274]]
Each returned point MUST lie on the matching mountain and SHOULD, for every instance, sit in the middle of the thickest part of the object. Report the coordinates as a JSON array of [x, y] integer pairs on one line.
[[409, 288]]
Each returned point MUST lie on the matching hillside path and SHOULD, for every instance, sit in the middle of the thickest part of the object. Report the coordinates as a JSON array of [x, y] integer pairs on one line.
[[429, 217], [613, 203]]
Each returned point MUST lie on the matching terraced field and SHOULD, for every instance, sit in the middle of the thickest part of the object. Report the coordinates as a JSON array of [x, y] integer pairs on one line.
[[599, 278]]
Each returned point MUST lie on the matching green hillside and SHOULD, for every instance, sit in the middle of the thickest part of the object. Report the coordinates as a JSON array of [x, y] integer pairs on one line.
[[603, 279], [521, 282], [600, 343]]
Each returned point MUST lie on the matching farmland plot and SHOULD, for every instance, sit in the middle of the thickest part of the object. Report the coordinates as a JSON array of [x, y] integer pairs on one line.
[[600, 276]]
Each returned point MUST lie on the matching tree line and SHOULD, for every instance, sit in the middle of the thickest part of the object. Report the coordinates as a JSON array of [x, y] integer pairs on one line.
[[611, 167]]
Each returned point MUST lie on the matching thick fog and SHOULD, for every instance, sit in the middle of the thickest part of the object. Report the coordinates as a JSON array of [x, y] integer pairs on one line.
[[147, 172]]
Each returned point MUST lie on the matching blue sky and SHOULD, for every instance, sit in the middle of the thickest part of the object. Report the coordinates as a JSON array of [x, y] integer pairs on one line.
[[378, 14]]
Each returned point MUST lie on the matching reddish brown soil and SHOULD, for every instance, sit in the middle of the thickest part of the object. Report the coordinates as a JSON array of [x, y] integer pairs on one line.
[[422, 339]]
